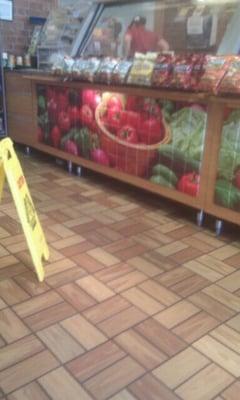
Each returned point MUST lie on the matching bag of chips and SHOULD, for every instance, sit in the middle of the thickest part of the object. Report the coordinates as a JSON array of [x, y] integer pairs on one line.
[[142, 69], [105, 70], [182, 71], [197, 71], [215, 69], [162, 71], [120, 72], [88, 69], [231, 80]]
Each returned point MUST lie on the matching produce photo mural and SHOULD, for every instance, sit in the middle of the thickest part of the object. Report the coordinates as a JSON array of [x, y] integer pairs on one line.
[[227, 188], [161, 141]]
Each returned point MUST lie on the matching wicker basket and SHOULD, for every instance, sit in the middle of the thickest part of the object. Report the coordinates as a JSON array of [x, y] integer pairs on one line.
[[134, 159]]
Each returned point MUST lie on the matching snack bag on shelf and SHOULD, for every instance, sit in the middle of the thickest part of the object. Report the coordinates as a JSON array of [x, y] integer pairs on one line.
[[120, 72], [215, 69], [182, 71], [89, 69], [197, 71], [63, 65], [162, 70], [231, 80], [142, 69], [77, 68], [105, 70]]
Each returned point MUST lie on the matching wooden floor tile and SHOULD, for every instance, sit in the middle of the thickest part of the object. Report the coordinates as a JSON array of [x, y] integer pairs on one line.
[[73, 294], [228, 337], [83, 331], [96, 360], [216, 265], [103, 257], [231, 282], [160, 337], [180, 368], [58, 266], [207, 384], [11, 292], [127, 281], [95, 288], [29, 392], [235, 322], [220, 354], [30, 284], [142, 300], [7, 261], [106, 309], [60, 385], [225, 252], [195, 327], [203, 270], [114, 378], [26, 371], [171, 248], [211, 306], [150, 388], [145, 266], [232, 393], [113, 273], [190, 285], [122, 321], [37, 304], [88, 263], [49, 316], [11, 327], [224, 297], [174, 276], [20, 350], [158, 292], [176, 314], [123, 395], [60, 343], [65, 277], [140, 349]]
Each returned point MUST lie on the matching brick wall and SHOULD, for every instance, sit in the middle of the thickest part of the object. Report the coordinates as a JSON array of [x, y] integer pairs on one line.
[[15, 35]]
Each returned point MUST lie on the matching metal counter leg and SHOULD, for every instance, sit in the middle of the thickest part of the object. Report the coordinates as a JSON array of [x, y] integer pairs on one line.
[[218, 226], [200, 217], [70, 166]]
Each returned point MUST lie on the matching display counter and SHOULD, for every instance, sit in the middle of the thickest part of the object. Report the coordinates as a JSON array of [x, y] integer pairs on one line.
[[195, 160]]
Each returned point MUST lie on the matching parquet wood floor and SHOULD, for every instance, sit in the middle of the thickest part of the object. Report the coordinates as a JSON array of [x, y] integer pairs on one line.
[[138, 302]]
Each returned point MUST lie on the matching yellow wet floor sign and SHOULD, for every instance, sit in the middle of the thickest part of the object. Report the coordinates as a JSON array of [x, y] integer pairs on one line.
[[11, 168]]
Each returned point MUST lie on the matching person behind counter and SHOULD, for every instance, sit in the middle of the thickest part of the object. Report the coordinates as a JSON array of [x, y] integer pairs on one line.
[[139, 39]]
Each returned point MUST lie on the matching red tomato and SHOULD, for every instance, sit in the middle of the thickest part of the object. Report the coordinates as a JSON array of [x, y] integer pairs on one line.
[[151, 108], [64, 121], [91, 97], [189, 184], [114, 118], [74, 115], [128, 133], [51, 93], [131, 118], [151, 131], [134, 103], [115, 102], [55, 136], [86, 115], [62, 100], [52, 110]]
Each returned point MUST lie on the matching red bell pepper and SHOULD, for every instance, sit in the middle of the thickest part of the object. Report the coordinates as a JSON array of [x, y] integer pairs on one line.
[[151, 131], [64, 121], [86, 115], [55, 136], [189, 184]]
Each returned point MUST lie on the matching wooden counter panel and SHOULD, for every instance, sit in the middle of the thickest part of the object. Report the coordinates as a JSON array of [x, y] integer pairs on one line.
[[20, 104], [21, 129], [15, 84]]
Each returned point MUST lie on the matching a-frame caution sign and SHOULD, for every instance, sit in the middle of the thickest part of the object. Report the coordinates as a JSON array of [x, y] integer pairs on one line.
[[11, 169]]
